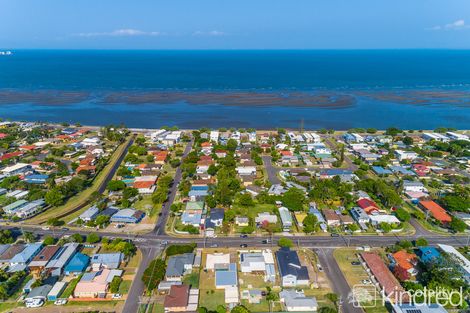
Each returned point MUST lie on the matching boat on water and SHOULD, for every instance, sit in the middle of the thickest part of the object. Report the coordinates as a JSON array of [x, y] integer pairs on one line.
[[8, 52]]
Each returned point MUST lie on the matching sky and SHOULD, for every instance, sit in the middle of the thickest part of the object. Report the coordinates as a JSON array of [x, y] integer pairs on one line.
[[235, 24]]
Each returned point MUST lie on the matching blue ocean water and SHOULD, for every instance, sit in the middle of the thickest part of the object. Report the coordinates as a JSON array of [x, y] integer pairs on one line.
[[416, 89]]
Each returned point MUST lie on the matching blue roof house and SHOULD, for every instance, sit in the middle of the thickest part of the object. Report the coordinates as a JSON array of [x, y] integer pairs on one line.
[[77, 264], [25, 256], [36, 179], [226, 277], [428, 254]]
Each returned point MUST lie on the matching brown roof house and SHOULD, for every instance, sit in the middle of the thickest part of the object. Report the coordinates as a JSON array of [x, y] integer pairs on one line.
[[38, 264], [178, 298]]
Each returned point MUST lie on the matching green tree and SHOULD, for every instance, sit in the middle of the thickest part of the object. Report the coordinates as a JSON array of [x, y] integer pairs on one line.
[[294, 199], [246, 200], [240, 309], [421, 242], [154, 273], [29, 236], [116, 185], [92, 238], [54, 197], [49, 240], [77, 238], [115, 283], [402, 214], [310, 223], [285, 242], [457, 225]]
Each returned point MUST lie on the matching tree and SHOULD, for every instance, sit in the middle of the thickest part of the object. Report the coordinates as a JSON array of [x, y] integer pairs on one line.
[[294, 199], [385, 227], [232, 144], [54, 221], [29, 236], [240, 309], [310, 223], [327, 309], [102, 220], [421, 242], [54, 197], [115, 283], [245, 200], [285, 242], [116, 185], [49, 240], [408, 141], [457, 225], [77, 238], [402, 215], [92, 238], [154, 273]]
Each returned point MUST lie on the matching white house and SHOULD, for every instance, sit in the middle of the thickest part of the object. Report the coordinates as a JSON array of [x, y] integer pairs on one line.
[[296, 301], [405, 155]]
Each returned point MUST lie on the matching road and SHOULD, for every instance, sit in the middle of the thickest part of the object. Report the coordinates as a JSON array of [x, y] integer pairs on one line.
[[165, 211], [337, 279], [271, 170], [138, 286]]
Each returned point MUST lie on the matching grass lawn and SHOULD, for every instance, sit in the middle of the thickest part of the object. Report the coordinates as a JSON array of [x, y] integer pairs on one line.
[[354, 274], [83, 196], [7, 306], [19, 289], [210, 300], [70, 288], [253, 211], [135, 260], [192, 280], [125, 286]]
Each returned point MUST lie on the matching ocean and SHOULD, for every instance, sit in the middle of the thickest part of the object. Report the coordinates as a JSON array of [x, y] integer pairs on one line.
[[340, 89]]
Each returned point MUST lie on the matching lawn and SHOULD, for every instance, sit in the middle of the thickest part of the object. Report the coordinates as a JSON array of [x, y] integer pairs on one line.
[[82, 197], [7, 306], [125, 286], [253, 211], [192, 280], [210, 299], [70, 288]]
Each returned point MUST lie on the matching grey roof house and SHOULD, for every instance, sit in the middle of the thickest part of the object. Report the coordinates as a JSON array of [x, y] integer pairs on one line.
[[106, 260], [291, 271], [178, 266]]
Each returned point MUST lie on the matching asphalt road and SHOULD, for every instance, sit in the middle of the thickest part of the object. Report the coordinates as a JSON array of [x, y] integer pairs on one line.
[[337, 279], [165, 211], [271, 170], [138, 286]]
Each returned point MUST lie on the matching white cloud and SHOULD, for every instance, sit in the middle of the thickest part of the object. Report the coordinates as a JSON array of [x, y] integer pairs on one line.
[[457, 25], [209, 33], [125, 32]]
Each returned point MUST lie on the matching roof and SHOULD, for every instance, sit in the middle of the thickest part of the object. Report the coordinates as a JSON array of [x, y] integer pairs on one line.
[[462, 260], [382, 274], [294, 298], [143, 184], [29, 251], [106, 258], [367, 205], [176, 264], [438, 212], [39, 292], [289, 264], [178, 296], [63, 256], [419, 308], [78, 262], [227, 277], [428, 254], [404, 259], [11, 252], [44, 256]]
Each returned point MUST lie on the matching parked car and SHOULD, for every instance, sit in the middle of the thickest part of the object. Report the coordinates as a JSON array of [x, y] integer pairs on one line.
[[35, 303], [244, 236], [266, 241], [366, 281], [355, 263], [116, 296], [243, 245], [60, 302], [334, 235]]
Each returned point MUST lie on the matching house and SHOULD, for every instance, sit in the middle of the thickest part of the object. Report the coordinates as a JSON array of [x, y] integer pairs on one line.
[[331, 218], [258, 262], [405, 261], [145, 184], [56, 290], [38, 293], [106, 260], [369, 206], [36, 179], [242, 221], [77, 264], [381, 171], [428, 254], [415, 308], [214, 220], [296, 301], [26, 255], [246, 170], [178, 266], [253, 296], [214, 260], [291, 271], [320, 219], [456, 136], [17, 169], [346, 219], [177, 299], [377, 219], [380, 272], [89, 214], [95, 284], [226, 277], [193, 213], [127, 216], [436, 211], [405, 155], [62, 257], [266, 217], [286, 218], [414, 186], [359, 215], [39, 262], [10, 252], [459, 258]]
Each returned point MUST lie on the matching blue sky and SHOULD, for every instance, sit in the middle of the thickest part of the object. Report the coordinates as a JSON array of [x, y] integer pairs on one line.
[[236, 24]]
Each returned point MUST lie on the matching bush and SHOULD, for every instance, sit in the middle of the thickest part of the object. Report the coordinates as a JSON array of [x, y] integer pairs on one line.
[[285, 242], [115, 283], [92, 238], [180, 249]]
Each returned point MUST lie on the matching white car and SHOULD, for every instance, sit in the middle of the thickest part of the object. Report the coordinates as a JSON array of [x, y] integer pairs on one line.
[[117, 296], [60, 301], [35, 303], [366, 281]]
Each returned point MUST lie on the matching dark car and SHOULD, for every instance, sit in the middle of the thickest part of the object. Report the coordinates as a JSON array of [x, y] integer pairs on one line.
[[244, 236], [334, 235], [243, 245], [355, 263], [266, 241]]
